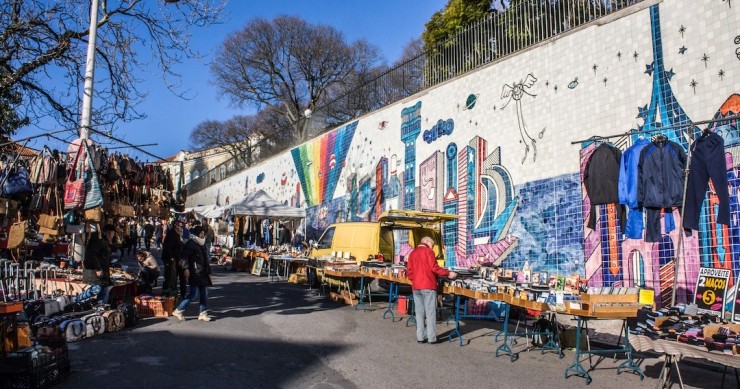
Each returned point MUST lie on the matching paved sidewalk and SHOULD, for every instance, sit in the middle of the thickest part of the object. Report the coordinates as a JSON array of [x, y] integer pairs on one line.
[[280, 335]]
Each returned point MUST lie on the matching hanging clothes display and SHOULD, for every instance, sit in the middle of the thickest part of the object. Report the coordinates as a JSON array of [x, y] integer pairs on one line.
[[601, 180], [628, 169], [707, 162], [660, 183], [266, 238]]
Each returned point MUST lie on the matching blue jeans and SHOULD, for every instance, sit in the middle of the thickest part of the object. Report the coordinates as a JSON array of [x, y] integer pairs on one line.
[[99, 291], [195, 291]]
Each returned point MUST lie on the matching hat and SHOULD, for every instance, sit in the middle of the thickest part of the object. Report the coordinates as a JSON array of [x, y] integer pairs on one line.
[[197, 230]]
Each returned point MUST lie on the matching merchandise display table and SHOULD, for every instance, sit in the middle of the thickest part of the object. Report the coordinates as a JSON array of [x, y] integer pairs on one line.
[[121, 290], [394, 284], [462, 296], [281, 266], [577, 367], [675, 351], [343, 280]]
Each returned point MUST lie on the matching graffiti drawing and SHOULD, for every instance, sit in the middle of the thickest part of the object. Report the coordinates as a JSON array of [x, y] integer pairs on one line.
[[516, 92], [573, 84], [682, 50], [705, 59]]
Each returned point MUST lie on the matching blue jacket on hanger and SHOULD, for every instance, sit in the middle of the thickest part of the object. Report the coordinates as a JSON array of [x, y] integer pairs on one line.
[[660, 184], [628, 171]]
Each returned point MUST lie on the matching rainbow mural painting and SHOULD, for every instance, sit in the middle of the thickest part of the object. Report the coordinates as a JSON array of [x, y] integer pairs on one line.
[[319, 163]]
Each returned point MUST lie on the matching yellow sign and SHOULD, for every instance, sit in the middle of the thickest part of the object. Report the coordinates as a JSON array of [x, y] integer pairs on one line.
[[647, 297]]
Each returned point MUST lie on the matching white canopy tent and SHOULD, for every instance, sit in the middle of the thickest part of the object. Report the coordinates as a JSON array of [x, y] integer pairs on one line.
[[204, 211], [261, 204]]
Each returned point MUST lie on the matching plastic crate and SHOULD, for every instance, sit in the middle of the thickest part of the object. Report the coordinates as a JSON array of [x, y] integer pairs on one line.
[[154, 306], [34, 369]]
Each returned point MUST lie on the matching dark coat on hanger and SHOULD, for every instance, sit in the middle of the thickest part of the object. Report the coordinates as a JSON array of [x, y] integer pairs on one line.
[[660, 175], [601, 180]]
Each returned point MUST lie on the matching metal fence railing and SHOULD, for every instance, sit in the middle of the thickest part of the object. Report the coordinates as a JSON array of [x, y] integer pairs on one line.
[[499, 35]]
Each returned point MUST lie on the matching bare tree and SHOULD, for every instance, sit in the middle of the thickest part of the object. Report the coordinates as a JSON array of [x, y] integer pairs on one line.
[[43, 47], [235, 136], [289, 64]]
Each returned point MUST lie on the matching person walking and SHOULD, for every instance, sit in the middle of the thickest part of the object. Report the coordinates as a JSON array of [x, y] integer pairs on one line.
[[148, 232], [423, 271], [171, 254], [132, 237], [159, 233], [198, 271], [139, 234]]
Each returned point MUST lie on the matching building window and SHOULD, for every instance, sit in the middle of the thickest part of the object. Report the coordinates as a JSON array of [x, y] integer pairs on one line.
[[223, 172], [196, 174], [187, 178]]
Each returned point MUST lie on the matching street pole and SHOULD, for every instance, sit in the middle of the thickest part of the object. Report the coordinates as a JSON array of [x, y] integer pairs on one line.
[[87, 94]]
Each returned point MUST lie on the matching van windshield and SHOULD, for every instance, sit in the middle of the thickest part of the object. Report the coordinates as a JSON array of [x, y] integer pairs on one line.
[[326, 239]]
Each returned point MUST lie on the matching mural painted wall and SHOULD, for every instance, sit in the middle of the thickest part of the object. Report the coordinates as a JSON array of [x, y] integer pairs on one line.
[[505, 148]]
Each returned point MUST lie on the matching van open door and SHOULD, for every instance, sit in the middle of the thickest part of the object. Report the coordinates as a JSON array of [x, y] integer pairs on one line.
[[419, 224], [414, 219]]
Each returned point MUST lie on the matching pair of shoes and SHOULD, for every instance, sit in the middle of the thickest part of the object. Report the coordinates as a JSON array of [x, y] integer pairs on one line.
[[204, 316], [178, 314], [437, 341], [421, 341]]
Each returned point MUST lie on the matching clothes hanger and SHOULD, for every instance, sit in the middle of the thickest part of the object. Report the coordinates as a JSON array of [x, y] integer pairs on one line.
[[658, 138]]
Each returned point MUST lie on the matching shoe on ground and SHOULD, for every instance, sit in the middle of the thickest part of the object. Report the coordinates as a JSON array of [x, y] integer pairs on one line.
[[421, 341], [204, 316], [178, 314]]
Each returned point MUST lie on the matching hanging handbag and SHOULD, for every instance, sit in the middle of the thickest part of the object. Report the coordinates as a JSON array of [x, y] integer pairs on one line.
[[94, 215], [93, 195], [44, 167], [74, 188], [17, 182], [17, 234]]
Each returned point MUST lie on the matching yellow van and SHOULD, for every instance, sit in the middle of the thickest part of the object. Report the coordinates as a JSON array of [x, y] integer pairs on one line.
[[363, 240]]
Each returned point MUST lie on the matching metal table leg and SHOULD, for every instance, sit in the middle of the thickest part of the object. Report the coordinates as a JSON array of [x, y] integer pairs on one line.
[[392, 292], [505, 348], [456, 331]]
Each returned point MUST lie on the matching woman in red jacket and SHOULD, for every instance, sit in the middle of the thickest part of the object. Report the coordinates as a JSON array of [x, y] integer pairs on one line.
[[423, 271]]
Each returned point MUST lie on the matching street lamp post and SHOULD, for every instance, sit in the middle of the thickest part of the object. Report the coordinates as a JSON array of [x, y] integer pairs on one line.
[[87, 95], [89, 73]]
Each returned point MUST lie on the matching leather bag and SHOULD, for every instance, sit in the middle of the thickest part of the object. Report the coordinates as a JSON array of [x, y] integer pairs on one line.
[[17, 234]]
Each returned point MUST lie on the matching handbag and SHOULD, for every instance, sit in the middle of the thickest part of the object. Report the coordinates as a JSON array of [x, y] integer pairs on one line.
[[17, 234], [94, 215], [74, 188], [114, 320], [22, 337], [93, 195], [44, 167], [8, 206], [94, 324], [73, 329], [17, 182]]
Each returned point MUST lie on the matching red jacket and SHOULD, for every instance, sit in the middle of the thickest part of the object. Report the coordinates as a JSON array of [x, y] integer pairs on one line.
[[423, 269]]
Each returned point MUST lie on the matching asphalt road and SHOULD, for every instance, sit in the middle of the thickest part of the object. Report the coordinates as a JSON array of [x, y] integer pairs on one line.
[[282, 335]]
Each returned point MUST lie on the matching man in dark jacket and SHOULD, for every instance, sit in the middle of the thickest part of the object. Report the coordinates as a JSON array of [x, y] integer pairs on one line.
[[171, 254], [96, 265], [423, 271], [148, 233], [198, 271]]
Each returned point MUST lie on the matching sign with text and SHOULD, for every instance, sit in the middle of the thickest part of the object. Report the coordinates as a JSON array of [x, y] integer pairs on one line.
[[736, 304], [711, 290]]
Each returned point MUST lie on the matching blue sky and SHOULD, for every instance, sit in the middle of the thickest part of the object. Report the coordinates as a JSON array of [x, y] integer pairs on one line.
[[388, 24]]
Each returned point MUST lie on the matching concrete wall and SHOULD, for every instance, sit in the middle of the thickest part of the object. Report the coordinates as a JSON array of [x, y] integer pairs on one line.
[[495, 146]]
